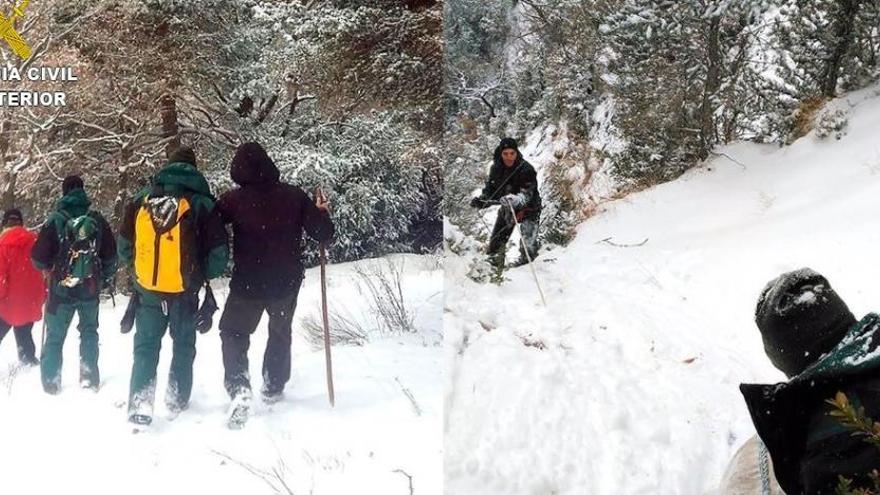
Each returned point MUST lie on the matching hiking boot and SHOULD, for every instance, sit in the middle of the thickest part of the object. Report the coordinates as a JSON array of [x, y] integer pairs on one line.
[[175, 409], [87, 384], [30, 362], [272, 398], [239, 412], [140, 419], [520, 262]]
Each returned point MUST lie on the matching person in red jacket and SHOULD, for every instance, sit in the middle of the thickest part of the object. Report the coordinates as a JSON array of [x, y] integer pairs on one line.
[[22, 290]]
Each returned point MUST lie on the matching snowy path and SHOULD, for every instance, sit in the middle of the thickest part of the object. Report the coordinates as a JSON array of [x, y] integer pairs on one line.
[[79, 442], [626, 383]]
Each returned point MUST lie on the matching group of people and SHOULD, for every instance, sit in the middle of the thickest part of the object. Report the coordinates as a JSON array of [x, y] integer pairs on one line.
[[173, 238]]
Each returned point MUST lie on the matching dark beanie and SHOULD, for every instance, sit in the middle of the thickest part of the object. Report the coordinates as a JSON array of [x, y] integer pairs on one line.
[[508, 143], [70, 183], [184, 154], [12, 217], [800, 318]]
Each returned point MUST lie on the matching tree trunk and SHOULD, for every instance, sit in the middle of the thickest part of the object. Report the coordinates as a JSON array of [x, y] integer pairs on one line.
[[713, 82], [267, 109], [7, 192], [416, 5], [244, 108], [170, 127], [125, 155], [843, 27], [7, 186]]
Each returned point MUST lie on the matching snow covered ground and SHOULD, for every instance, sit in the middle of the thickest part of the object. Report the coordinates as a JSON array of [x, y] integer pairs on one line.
[[626, 383], [79, 442]]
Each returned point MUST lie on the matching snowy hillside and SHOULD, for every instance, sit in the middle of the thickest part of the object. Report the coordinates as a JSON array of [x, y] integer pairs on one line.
[[374, 439], [626, 383]]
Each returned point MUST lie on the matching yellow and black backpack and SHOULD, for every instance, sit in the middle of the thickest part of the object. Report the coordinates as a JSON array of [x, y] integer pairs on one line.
[[164, 244]]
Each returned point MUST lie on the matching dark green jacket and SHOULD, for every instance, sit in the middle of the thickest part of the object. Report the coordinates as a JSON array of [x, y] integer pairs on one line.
[[179, 180], [809, 448], [46, 252]]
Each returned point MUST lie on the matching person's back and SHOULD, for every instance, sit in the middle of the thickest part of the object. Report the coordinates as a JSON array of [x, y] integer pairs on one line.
[[268, 218], [204, 246], [51, 253], [22, 290], [831, 450]]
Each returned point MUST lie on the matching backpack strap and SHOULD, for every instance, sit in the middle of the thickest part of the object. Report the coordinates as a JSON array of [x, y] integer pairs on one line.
[[158, 190], [509, 177], [65, 217], [61, 231], [96, 216]]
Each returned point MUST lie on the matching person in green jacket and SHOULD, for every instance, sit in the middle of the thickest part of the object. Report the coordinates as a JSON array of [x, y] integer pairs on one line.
[[174, 241], [810, 334], [77, 252]]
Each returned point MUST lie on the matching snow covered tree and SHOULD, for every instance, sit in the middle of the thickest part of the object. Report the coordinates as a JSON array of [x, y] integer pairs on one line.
[[359, 111], [828, 45], [816, 50], [675, 68], [344, 94], [559, 48], [476, 33]]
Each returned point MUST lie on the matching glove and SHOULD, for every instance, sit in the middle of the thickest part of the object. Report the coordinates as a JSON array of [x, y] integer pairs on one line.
[[512, 200], [128, 318], [477, 203], [205, 314]]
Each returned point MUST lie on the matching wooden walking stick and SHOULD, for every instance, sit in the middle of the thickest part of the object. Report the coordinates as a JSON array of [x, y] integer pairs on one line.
[[319, 195]]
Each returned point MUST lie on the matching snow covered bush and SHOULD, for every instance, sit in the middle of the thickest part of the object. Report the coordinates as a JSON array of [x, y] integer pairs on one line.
[[832, 123], [345, 328], [375, 193], [803, 118], [382, 282]]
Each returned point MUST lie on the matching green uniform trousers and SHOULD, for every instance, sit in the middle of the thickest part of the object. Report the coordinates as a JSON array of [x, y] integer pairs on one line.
[[59, 315], [152, 318]]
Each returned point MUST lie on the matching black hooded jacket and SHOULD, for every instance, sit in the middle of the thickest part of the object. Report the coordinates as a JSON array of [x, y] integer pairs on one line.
[[520, 178], [268, 218]]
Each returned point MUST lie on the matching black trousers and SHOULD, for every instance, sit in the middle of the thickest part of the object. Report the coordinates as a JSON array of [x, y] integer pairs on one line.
[[23, 340], [240, 319], [504, 226]]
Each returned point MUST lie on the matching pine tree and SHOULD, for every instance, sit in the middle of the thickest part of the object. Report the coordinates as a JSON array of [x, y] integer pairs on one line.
[[676, 68], [822, 42]]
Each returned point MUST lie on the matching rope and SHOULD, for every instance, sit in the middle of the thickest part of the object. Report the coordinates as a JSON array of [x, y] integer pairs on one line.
[[515, 170], [764, 467], [525, 249]]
